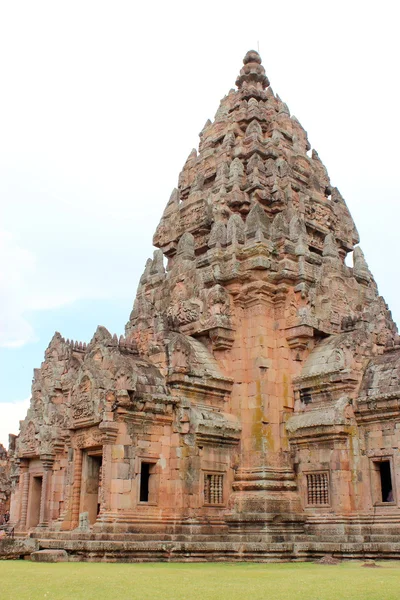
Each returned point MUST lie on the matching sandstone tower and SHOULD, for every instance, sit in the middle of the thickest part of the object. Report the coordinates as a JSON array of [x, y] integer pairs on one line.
[[251, 411]]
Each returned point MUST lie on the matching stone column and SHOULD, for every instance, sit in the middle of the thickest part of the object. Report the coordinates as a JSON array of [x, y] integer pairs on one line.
[[76, 488], [47, 462], [24, 483]]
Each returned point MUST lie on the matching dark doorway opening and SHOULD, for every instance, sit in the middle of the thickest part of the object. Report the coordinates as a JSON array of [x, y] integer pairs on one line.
[[144, 482], [386, 481], [147, 491]]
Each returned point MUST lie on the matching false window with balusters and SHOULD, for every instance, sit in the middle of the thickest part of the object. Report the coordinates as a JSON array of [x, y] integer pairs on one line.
[[213, 488], [318, 489]]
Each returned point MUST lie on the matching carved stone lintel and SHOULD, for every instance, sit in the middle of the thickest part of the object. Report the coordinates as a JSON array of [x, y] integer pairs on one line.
[[109, 430], [222, 338], [298, 339], [47, 461]]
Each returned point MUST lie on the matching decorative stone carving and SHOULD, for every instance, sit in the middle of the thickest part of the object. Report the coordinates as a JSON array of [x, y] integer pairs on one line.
[[46, 440], [28, 442], [179, 352], [218, 235], [184, 310], [330, 248], [257, 225], [361, 270], [88, 438], [157, 266], [235, 230], [81, 401], [218, 302], [185, 248]]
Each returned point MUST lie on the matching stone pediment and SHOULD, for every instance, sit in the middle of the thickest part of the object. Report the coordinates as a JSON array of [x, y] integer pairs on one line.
[[215, 428], [192, 366], [382, 375], [111, 377], [321, 422]]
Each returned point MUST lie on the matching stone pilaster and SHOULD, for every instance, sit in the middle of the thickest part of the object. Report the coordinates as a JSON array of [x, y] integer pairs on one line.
[[76, 489], [24, 483]]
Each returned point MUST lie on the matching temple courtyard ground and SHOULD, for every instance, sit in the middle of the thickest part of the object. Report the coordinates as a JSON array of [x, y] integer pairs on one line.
[[23, 580]]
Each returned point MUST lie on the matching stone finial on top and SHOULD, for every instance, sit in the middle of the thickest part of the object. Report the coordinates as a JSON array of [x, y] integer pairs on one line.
[[101, 336], [252, 73], [360, 266]]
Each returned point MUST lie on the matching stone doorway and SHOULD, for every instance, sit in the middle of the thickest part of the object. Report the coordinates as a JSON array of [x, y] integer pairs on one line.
[[91, 483], [35, 495]]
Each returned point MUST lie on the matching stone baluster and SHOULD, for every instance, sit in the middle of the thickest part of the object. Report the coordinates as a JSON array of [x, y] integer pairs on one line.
[[24, 479], [47, 462], [76, 488]]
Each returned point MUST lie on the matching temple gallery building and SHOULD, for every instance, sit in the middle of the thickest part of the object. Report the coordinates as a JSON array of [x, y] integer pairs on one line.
[[252, 408]]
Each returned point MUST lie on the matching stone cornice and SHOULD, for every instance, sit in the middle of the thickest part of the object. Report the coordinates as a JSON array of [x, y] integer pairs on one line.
[[320, 434], [378, 408]]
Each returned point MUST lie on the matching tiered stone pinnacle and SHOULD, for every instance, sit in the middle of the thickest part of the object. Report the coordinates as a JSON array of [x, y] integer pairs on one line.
[[252, 75]]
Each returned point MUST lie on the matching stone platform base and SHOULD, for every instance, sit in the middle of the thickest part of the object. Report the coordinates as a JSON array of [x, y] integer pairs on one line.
[[360, 537], [153, 551], [49, 556]]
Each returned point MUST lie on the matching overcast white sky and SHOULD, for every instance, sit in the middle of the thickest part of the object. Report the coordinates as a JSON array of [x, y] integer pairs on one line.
[[100, 104]]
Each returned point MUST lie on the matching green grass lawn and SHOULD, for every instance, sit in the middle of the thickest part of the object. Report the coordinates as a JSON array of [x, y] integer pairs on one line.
[[22, 580]]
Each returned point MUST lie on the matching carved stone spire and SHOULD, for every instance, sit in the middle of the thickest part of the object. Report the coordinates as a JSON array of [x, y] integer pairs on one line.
[[252, 73], [251, 204]]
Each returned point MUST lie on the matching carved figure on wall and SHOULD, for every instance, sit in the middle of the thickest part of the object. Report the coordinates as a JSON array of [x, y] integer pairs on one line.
[[182, 310], [81, 401], [46, 440], [28, 439], [179, 353]]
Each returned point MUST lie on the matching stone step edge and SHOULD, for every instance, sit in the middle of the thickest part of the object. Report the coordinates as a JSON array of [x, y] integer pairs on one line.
[[95, 545]]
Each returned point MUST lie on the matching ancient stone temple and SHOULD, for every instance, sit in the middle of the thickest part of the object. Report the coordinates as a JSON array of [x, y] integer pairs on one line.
[[252, 409]]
